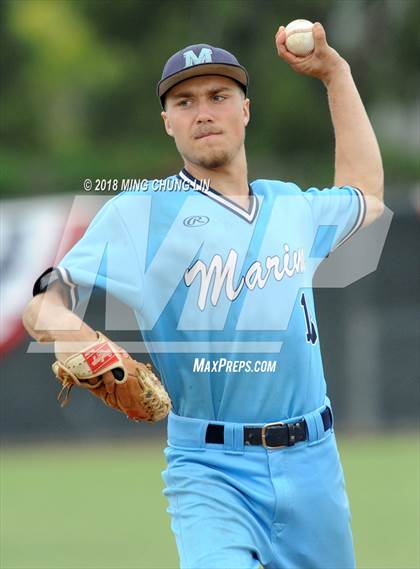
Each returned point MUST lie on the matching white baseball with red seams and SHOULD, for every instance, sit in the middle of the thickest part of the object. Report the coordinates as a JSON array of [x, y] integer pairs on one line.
[[299, 37]]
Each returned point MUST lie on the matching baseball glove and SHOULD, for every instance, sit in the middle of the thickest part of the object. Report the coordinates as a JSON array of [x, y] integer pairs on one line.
[[136, 391]]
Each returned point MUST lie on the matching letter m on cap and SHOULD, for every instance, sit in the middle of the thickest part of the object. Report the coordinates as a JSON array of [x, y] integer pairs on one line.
[[192, 59]]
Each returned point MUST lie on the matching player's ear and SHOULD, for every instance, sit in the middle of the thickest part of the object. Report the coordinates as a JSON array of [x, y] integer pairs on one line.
[[166, 122], [246, 111]]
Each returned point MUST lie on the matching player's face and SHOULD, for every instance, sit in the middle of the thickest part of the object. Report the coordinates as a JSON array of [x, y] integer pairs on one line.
[[207, 117]]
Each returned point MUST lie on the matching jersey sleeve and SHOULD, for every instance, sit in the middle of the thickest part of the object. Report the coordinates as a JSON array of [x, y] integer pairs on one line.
[[104, 257], [337, 213]]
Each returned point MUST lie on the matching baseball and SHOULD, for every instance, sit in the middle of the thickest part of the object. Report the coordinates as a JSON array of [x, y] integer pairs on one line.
[[299, 37]]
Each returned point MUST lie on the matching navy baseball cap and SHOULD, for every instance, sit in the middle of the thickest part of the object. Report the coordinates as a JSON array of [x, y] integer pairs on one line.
[[200, 59]]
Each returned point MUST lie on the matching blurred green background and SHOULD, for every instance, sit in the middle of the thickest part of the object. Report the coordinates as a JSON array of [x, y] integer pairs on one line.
[[79, 77], [78, 101], [100, 506]]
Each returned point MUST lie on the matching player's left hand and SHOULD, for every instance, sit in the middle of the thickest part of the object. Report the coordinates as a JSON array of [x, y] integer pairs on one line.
[[112, 375], [321, 63]]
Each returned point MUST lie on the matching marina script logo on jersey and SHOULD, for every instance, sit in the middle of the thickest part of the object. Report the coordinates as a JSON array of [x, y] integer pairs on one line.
[[221, 274]]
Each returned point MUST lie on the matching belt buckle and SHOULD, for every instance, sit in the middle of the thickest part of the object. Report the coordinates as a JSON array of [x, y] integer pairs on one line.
[[264, 434]]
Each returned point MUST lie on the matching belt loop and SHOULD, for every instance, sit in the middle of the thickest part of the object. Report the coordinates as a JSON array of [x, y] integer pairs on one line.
[[202, 438], [238, 439], [315, 425], [332, 416], [328, 404], [233, 439], [311, 425], [228, 437]]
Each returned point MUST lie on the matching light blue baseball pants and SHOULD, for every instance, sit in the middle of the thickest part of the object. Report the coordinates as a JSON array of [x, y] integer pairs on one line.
[[236, 506]]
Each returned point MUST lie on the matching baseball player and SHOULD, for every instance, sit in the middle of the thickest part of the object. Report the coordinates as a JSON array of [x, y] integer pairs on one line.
[[218, 272]]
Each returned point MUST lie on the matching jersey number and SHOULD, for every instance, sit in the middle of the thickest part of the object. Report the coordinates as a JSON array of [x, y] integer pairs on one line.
[[310, 328]]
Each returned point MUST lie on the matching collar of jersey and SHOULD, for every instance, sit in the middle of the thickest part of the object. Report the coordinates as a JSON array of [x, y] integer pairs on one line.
[[247, 214]]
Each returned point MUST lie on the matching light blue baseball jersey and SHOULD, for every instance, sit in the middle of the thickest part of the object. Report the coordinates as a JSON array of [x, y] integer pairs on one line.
[[221, 294]]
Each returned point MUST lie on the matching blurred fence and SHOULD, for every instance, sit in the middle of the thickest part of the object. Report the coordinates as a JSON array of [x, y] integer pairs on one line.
[[369, 336]]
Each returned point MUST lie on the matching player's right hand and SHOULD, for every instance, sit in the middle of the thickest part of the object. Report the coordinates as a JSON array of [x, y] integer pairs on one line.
[[323, 62]]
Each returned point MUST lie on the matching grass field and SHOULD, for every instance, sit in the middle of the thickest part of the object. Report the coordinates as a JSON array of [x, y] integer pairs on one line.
[[96, 506]]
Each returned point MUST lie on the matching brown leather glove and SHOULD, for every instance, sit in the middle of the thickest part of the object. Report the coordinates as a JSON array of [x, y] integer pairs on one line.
[[135, 391]]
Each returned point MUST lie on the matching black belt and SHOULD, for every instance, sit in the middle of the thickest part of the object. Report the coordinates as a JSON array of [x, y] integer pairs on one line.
[[272, 435]]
